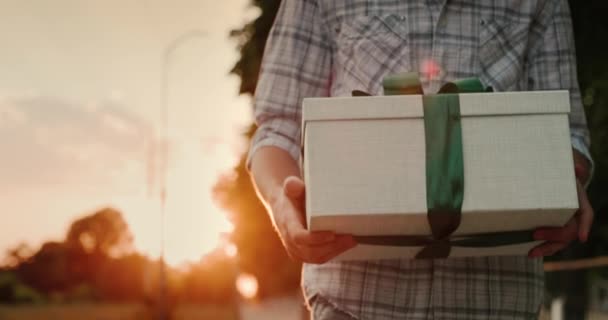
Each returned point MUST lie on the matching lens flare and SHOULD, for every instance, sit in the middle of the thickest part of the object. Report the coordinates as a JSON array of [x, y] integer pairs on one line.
[[231, 250], [247, 285], [430, 69]]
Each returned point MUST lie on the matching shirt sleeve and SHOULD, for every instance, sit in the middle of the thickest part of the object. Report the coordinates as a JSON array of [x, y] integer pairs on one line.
[[296, 64], [552, 66]]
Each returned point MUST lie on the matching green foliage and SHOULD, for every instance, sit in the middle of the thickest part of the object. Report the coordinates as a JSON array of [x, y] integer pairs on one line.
[[18, 254], [590, 28], [25, 294], [77, 269], [100, 268], [212, 280], [251, 39], [103, 232], [81, 293], [127, 279], [260, 250], [13, 291], [47, 270], [59, 267]]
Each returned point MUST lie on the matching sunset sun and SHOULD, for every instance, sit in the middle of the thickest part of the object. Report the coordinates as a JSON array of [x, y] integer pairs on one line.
[[194, 223]]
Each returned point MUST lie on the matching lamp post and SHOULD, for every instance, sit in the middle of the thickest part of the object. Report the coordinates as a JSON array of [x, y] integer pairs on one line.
[[164, 153]]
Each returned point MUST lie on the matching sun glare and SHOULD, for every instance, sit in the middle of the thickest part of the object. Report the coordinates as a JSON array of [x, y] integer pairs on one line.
[[247, 285], [430, 69], [231, 250], [193, 223]]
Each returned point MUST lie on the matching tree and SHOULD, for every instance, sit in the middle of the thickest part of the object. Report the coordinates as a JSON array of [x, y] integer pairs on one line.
[[104, 232], [18, 255], [121, 279], [212, 280], [590, 28], [251, 40], [48, 269], [91, 243], [260, 250], [13, 291]]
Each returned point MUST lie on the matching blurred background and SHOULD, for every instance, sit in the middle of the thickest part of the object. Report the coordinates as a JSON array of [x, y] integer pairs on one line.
[[123, 129]]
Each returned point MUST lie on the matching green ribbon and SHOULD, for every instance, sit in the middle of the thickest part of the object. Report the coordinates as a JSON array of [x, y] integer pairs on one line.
[[444, 163], [440, 248], [444, 171]]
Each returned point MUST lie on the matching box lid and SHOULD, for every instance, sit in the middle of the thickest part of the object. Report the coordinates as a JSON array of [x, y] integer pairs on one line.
[[410, 106]]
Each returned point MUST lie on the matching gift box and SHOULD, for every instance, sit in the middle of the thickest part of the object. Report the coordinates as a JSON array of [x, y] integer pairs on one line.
[[477, 182]]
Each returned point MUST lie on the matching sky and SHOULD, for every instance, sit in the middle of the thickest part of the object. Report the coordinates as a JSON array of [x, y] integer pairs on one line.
[[79, 117]]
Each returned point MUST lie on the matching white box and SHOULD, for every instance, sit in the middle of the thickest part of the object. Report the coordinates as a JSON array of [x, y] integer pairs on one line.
[[364, 168]]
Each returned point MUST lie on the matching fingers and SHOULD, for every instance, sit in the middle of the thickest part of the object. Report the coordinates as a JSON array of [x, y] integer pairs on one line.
[[555, 239], [564, 234], [321, 253], [577, 228], [315, 247], [294, 188], [547, 249], [326, 252], [302, 244], [305, 238], [585, 214]]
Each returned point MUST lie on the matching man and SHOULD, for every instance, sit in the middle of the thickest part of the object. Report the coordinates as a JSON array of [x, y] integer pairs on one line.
[[330, 47]]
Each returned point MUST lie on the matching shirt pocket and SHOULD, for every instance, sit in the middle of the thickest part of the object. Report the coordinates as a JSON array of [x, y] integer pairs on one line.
[[502, 54], [369, 47]]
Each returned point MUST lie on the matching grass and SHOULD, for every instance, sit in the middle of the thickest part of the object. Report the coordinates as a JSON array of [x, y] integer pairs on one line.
[[110, 312]]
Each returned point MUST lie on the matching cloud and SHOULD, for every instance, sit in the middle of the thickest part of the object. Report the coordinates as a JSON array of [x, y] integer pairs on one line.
[[10, 115], [51, 142]]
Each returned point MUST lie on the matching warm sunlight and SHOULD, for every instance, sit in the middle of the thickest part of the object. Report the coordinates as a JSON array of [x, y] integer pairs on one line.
[[194, 223], [231, 250], [83, 110], [247, 285]]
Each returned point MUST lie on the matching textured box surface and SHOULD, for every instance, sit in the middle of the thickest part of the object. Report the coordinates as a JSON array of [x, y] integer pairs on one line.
[[364, 167]]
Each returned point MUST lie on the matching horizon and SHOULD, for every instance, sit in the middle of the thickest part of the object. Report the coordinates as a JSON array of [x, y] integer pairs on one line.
[[79, 109]]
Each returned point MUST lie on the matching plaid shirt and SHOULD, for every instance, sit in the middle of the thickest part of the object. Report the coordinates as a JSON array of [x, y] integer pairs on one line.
[[330, 47]]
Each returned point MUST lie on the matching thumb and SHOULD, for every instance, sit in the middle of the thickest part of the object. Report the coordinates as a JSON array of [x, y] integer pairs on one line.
[[293, 187]]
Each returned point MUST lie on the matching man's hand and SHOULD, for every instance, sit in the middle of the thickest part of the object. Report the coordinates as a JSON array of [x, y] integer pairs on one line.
[[578, 227], [301, 244]]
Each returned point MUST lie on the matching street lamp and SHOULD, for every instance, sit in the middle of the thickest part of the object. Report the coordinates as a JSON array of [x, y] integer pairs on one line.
[[164, 151]]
